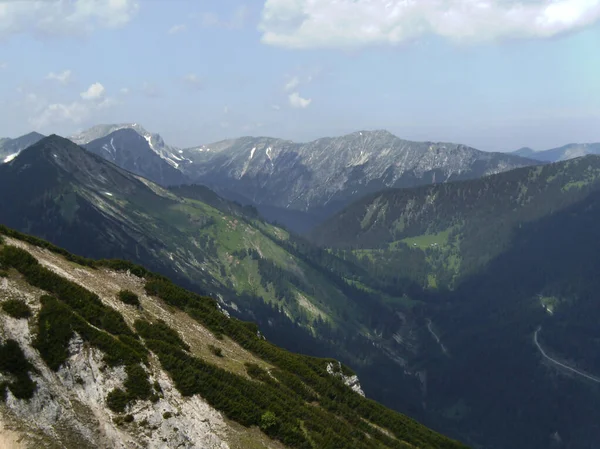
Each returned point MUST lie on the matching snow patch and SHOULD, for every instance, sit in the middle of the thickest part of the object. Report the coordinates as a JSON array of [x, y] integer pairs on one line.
[[268, 153], [252, 152], [108, 194], [149, 140], [10, 157]]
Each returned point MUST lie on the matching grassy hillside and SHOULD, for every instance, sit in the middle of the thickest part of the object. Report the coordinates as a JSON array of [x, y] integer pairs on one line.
[[145, 325], [439, 234]]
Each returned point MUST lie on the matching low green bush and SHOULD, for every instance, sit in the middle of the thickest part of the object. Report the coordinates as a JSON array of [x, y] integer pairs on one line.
[[16, 309], [216, 351], [14, 364], [128, 297]]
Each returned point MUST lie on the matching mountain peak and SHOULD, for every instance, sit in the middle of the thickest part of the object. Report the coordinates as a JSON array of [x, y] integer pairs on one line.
[[103, 130]]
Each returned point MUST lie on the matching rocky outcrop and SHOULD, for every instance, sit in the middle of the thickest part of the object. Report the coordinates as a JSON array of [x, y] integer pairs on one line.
[[351, 381]]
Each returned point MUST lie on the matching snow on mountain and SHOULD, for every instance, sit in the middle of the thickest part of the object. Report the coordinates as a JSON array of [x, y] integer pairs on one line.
[[169, 153]]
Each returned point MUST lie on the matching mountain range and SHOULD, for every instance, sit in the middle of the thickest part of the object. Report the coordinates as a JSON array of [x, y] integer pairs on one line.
[[468, 304], [90, 206], [563, 153], [300, 184]]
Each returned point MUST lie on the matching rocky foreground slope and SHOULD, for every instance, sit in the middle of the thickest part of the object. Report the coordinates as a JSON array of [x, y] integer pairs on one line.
[[106, 354]]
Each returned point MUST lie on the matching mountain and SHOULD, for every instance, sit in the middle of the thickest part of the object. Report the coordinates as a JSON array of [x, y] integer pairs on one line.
[[301, 184], [449, 231], [509, 266], [104, 354], [304, 298], [131, 151], [525, 152], [9, 148], [322, 176], [170, 154], [566, 152]]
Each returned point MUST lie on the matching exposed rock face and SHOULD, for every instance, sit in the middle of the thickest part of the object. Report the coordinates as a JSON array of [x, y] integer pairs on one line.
[[133, 152], [351, 381], [333, 171], [69, 406]]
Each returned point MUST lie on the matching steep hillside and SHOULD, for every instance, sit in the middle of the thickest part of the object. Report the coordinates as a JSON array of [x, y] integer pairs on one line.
[[509, 263], [9, 148], [438, 234], [322, 176], [305, 300], [521, 367], [131, 151], [107, 354]]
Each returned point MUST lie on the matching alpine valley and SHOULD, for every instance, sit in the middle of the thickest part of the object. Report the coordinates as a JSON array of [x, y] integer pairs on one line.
[[458, 285]]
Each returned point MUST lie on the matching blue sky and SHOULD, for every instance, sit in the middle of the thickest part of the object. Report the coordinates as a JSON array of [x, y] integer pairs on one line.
[[496, 75]]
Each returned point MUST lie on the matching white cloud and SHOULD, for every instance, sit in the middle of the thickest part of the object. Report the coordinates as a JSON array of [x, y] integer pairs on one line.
[[3, 65], [296, 101], [193, 81], [64, 17], [356, 23], [292, 83], [124, 91], [94, 92], [63, 77], [175, 29], [48, 115], [275, 107], [58, 113]]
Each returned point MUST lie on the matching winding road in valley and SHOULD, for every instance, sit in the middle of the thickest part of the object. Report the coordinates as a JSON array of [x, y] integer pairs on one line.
[[559, 364]]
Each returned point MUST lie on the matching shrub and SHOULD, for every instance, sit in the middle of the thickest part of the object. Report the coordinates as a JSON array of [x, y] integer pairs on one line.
[[14, 363], [137, 383], [268, 420], [167, 415], [216, 351], [128, 297], [16, 309], [117, 400]]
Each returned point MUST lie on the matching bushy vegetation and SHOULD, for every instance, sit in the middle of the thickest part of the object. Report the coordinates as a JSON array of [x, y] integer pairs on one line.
[[85, 303], [14, 364], [278, 403], [216, 350], [16, 308], [77, 310], [128, 297], [246, 401]]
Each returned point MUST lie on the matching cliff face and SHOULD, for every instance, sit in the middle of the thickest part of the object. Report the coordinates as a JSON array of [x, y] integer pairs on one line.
[[69, 406]]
